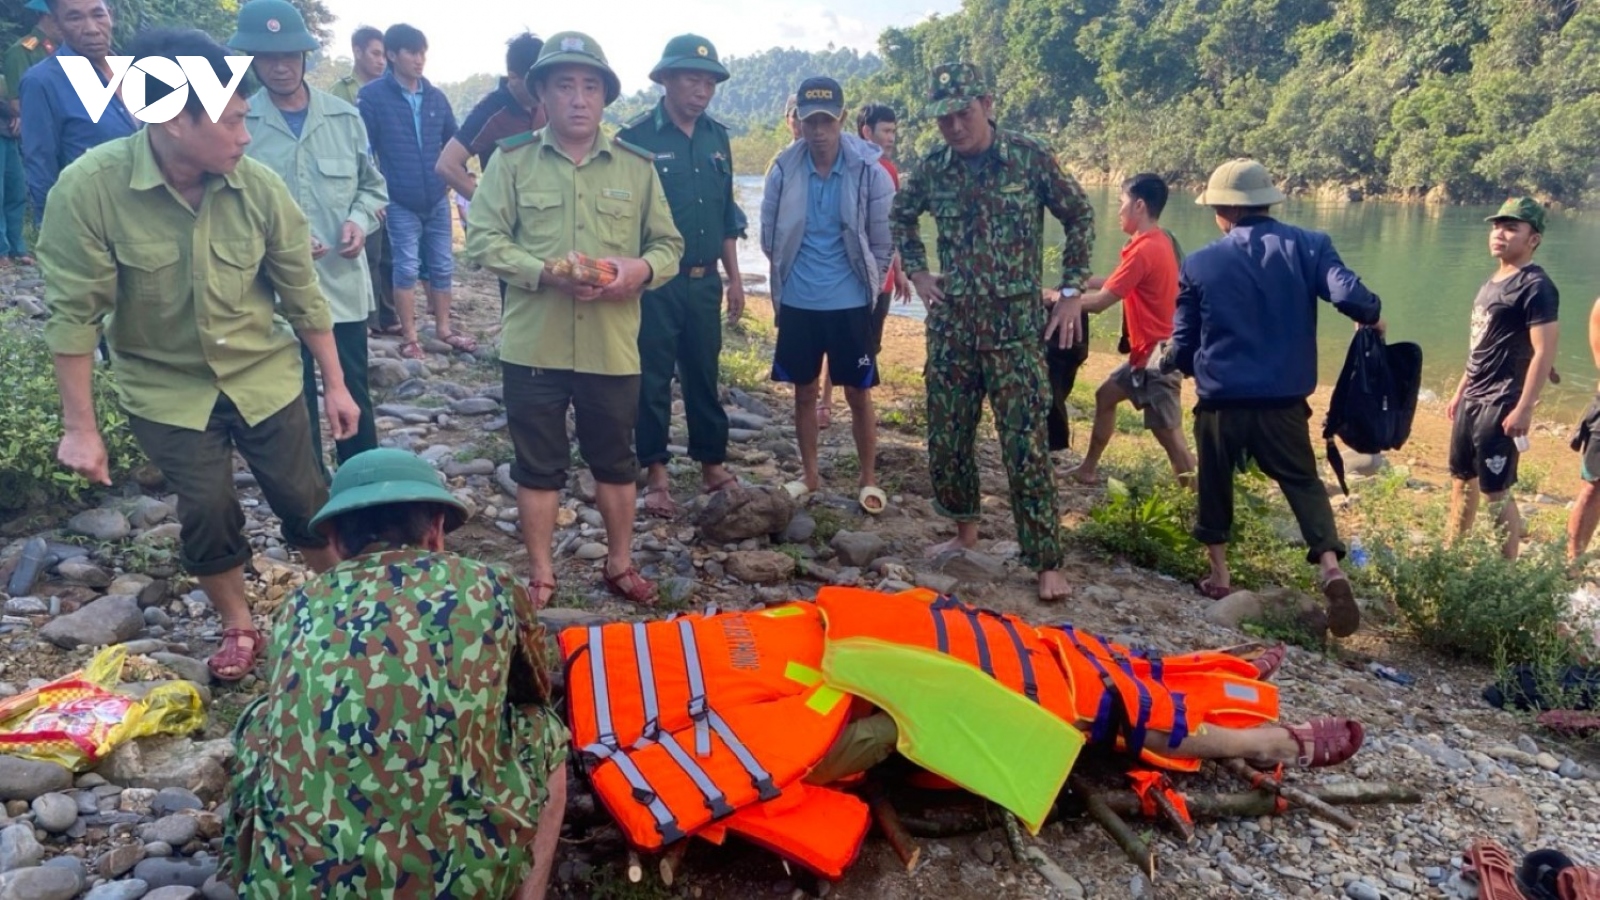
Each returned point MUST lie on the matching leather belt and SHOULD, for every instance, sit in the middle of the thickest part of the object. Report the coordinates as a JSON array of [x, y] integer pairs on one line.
[[699, 271]]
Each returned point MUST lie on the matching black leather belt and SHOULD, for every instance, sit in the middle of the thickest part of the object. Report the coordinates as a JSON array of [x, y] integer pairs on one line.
[[699, 271]]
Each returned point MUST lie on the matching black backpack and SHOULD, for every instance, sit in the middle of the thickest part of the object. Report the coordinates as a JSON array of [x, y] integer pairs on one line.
[[1374, 399]]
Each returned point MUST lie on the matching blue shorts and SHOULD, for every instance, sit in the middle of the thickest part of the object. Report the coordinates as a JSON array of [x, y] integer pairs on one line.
[[416, 240]]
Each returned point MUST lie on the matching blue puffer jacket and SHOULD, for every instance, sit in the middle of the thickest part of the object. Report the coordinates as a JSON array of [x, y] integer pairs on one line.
[[406, 162]]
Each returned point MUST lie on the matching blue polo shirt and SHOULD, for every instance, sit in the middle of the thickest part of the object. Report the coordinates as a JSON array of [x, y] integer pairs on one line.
[[822, 278], [414, 100], [56, 129]]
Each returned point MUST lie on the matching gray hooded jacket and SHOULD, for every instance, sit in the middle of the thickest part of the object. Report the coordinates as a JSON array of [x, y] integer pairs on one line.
[[864, 201]]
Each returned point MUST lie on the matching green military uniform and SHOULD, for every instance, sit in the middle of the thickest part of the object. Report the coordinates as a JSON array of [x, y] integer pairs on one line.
[[986, 337], [681, 325], [403, 747], [346, 89], [19, 57], [23, 54]]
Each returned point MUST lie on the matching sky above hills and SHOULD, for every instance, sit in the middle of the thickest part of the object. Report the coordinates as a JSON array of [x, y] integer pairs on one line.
[[468, 36]]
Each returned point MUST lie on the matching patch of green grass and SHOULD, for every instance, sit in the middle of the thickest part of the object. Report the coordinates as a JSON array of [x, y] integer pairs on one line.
[[908, 414], [610, 882], [747, 368], [829, 523]]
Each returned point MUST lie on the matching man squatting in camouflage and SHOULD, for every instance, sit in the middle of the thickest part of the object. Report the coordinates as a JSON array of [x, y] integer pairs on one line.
[[986, 189], [404, 747]]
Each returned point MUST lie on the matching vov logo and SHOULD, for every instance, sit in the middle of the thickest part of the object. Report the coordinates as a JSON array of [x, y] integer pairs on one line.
[[188, 73]]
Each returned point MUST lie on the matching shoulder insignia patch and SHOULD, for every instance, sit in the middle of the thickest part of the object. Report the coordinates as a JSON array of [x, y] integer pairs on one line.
[[641, 118], [29, 43], [516, 140], [635, 149]]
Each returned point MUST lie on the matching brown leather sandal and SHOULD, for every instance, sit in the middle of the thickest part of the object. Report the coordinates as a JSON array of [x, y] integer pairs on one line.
[[233, 655], [1270, 660], [536, 591], [630, 586], [1327, 741]]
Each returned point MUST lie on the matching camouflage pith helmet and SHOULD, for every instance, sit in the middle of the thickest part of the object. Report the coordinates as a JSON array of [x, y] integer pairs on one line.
[[576, 48], [271, 26], [1521, 209], [1240, 182], [689, 51], [386, 476], [951, 87]]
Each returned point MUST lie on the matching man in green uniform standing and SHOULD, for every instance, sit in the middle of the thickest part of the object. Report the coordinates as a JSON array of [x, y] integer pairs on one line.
[[569, 342], [682, 321], [986, 189], [32, 47], [367, 62], [318, 145]]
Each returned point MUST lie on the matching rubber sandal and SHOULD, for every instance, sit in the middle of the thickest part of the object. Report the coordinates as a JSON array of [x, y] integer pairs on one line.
[[232, 656], [1269, 661], [534, 590], [1490, 864], [465, 343], [1344, 617], [630, 586], [1578, 883], [797, 489], [1326, 741], [413, 350], [668, 511], [23, 259], [875, 494], [724, 484], [1211, 591]]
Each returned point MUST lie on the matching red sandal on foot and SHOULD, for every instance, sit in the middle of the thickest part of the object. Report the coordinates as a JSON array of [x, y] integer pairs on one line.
[[630, 586], [1326, 741], [232, 654]]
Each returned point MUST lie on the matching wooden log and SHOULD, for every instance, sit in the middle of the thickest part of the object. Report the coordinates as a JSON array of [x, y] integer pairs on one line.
[[889, 823], [635, 867], [1026, 852], [671, 862], [1134, 846], [1290, 793], [1168, 812]]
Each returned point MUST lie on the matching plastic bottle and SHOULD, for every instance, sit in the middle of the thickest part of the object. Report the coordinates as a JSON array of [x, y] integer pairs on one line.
[[1358, 554]]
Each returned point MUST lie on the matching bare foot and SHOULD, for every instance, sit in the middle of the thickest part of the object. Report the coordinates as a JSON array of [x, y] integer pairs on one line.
[[955, 543], [658, 501], [1084, 474], [1053, 586]]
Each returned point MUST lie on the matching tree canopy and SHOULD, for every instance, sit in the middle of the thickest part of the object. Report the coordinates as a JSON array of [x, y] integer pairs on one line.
[[215, 17]]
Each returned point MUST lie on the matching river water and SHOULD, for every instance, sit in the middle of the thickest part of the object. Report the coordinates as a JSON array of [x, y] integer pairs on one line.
[[1426, 262]]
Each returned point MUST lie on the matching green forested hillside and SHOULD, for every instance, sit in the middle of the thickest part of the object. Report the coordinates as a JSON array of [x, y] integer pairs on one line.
[[1454, 99]]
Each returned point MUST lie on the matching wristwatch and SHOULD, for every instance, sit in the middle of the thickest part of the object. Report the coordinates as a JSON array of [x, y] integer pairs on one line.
[[1069, 293]]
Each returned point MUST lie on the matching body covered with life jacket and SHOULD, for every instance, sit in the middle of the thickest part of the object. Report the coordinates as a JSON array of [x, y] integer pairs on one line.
[[709, 724]]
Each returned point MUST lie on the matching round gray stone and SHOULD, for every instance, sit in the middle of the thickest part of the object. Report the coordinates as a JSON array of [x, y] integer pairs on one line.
[[131, 889], [19, 849], [174, 799], [160, 872], [25, 779], [173, 892], [54, 812], [52, 883]]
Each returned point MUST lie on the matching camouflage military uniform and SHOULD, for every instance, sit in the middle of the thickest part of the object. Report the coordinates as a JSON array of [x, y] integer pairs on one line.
[[986, 337], [386, 759]]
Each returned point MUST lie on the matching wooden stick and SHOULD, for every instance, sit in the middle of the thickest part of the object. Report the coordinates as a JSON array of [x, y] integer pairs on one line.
[[635, 867], [1292, 794], [889, 822], [1027, 852], [1168, 812], [1131, 844], [671, 862]]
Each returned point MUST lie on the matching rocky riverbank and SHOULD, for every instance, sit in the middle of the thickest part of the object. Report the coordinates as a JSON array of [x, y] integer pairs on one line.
[[147, 823]]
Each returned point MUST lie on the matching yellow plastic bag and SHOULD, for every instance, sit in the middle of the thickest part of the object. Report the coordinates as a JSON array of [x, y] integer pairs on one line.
[[78, 719]]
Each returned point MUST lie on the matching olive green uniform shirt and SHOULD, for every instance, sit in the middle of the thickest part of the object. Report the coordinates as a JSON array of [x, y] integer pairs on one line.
[[332, 177], [346, 89], [185, 295], [22, 55], [697, 176], [534, 204]]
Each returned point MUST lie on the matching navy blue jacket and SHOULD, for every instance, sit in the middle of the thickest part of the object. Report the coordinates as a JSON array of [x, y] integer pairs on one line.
[[56, 129], [1246, 322], [405, 160]]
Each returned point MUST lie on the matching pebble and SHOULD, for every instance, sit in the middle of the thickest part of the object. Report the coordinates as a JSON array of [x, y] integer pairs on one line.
[[174, 799], [176, 830], [1570, 769], [160, 872], [101, 524], [19, 849], [130, 889], [119, 860], [137, 800], [54, 812], [590, 551], [174, 892], [52, 883], [1360, 890], [26, 606]]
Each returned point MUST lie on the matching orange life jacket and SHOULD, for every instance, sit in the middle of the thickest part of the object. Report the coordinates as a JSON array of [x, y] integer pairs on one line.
[[708, 723]]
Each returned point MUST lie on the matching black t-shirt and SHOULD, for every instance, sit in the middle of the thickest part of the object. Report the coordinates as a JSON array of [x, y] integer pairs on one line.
[[1501, 349], [496, 117]]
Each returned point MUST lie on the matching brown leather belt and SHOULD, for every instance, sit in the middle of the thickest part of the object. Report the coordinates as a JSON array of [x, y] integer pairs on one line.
[[698, 271]]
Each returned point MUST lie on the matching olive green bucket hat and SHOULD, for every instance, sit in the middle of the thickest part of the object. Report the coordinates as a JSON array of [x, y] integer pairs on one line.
[[271, 26], [952, 87], [382, 477], [1521, 209], [1240, 182], [573, 47], [689, 51]]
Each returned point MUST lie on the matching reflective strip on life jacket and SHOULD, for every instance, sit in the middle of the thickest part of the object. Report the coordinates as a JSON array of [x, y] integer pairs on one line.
[[715, 800], [707, 719], [605, 747]]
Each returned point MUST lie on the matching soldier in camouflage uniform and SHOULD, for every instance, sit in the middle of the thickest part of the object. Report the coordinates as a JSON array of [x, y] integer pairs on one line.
[[403, 748], [986, 190]]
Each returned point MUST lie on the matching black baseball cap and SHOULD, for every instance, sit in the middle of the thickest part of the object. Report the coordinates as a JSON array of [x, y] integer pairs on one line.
[[820, 95]]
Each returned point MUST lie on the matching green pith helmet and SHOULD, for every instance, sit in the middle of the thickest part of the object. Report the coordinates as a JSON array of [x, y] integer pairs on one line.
[[576, 48], [38, 6], [1240, 182], [1521, 209], [689, 51], [952, 87], [384, 476], [271, 26]]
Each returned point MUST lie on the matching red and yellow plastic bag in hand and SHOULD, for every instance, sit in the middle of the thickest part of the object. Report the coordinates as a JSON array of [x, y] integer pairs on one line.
[[583, 269], [78, 719]]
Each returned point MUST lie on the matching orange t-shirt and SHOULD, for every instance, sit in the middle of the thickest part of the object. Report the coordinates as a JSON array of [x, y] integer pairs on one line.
[[894, 266], [1147, 281]]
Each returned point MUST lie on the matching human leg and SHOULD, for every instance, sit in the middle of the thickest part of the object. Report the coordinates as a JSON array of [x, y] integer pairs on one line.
[[1106, 398], [1018, 395], [605, 407], [536, 413], [405, 242], [661, 318], [698, 349], [953, 378]]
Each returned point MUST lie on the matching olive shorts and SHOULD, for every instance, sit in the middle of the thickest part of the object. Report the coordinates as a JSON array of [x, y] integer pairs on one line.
[[199, 467], [604, 409]]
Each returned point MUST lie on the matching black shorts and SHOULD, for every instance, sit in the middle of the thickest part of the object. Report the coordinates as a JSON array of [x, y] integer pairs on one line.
[[1587, 441], [604, 408], [844, 336], [1480, 448]]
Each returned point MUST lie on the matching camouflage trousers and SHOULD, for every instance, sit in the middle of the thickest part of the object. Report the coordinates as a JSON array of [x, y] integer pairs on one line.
[[958, 376]]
